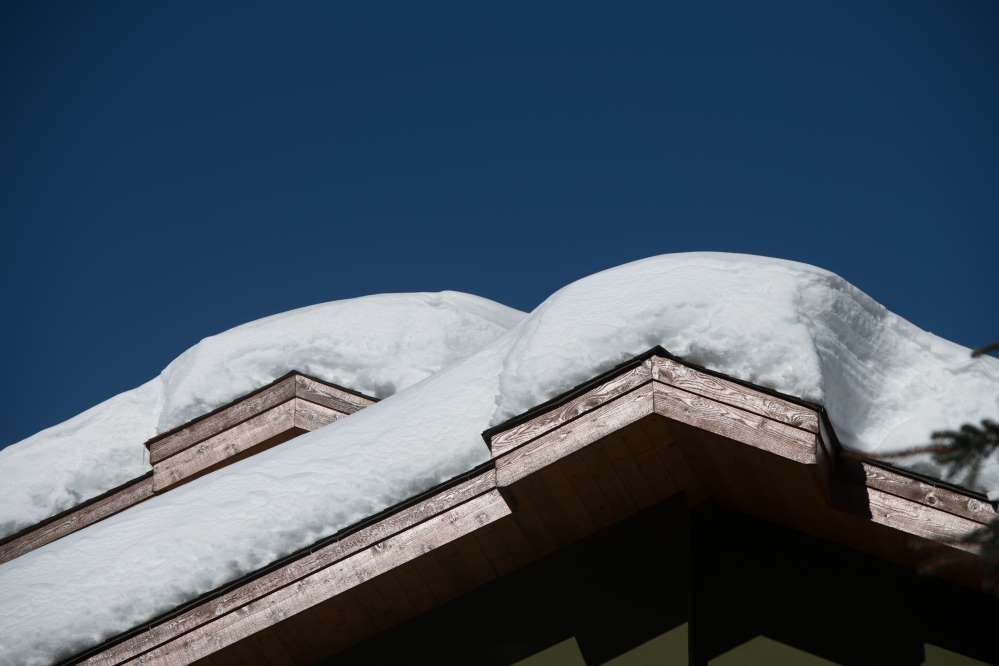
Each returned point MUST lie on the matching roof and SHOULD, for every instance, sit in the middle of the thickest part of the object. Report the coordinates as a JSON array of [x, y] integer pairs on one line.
[[797, 329], [647, 430], [285, 408]]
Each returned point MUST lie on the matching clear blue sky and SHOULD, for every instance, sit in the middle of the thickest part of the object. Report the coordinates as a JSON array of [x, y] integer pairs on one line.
[[173, 171]]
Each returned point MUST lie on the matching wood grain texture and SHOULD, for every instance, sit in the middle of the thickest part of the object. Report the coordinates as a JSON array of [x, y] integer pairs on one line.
[[742, 426], [920, 520], [676, 374], [310, 416], [652, 431], [77, 519], [330, 581], [304, 566], [562, 414], [295, 385], [927, 494], [216, 449], [574, 435], [237, 412], [329, 396]]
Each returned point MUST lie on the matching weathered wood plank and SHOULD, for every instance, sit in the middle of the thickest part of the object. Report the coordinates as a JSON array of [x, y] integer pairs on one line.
[[558, 416], [927, 494], [574, 435], [670, 372], [329, 396], [226, 444], [292, 386], [328, 582], [233, 429], [77, 519], [742, 426], [923, 521], [177, 440], [311, 416], [304, 566]]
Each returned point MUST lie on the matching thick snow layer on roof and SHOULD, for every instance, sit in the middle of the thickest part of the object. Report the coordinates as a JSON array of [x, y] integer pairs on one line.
[[801, 330], [375, 344], [788, 326]]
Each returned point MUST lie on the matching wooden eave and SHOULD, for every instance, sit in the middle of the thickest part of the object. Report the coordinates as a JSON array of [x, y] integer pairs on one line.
[[287, 407], [644, 432]]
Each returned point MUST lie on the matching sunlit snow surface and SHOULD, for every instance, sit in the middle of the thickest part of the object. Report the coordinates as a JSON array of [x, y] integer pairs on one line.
[[784, 325], [375, 345]]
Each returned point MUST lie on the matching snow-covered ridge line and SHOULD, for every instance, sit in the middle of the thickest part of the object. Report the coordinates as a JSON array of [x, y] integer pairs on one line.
[[794, 328], [373, 345]]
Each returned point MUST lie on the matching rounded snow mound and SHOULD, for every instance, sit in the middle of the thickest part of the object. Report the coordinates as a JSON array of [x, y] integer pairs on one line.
[[801, 330], [376, 345], [373, 344]]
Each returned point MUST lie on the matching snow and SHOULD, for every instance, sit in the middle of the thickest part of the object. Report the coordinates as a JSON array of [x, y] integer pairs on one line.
[[801, 330], [375, 344], [789, 326]]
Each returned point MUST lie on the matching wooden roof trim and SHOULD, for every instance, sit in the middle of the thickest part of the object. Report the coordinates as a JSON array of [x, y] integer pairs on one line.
[[273, 426], [546, 444], [288, 406], [354, 549], [920, 520], [904, 503], [291, 385], [514, 464], [686, 377], [935, 496], [76, 518], [602, 393], [720, 418]]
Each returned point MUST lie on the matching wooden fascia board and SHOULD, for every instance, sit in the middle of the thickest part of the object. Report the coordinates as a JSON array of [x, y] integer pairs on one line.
[[685, 377], [785, 430], [77, 518], [662, 385], [289, 405], [696, 399], [933, 495], [280, 422], [291, 386], [319, 574]]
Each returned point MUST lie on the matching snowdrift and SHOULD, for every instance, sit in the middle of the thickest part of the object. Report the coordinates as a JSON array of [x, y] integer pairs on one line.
[[788, 326], [375, 345]]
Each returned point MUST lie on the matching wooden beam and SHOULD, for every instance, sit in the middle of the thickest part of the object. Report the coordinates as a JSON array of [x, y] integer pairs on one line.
[[737, 424], [310, 416], [921, 520], [278, 424], [77, 518], [293, 385], [307, 564], [574, 435], [192, 432], [559, 416], [927, 494], [330, 396], [188, 463], [649, 432], [288, 407], [689, 379], [330, 581]]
